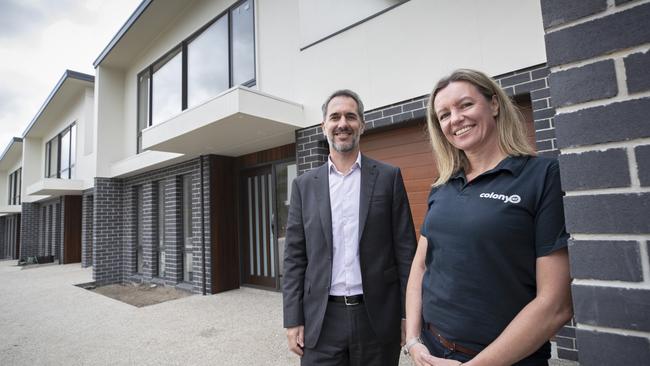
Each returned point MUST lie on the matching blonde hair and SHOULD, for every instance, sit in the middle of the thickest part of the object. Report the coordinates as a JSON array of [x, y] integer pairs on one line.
[[509, 122]]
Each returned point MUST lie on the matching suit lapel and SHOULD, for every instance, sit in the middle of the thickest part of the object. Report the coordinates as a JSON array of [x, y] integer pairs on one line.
[[324, 207], [368, 178]]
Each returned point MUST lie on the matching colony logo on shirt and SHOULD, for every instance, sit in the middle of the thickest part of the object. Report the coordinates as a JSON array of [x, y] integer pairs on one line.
[[515, 198]]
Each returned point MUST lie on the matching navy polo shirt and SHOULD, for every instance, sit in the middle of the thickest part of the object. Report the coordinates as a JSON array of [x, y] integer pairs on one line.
[[483, 240]]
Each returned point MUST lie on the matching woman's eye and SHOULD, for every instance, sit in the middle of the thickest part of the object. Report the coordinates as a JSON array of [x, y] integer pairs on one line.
[[443, 116]]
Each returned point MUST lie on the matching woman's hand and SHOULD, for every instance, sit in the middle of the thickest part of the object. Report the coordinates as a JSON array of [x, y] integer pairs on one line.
[[421, 357]]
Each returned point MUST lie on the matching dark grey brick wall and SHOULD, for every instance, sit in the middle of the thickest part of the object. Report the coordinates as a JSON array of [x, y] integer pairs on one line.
[[600, 36], [87, 228], [174, 229], [29, 229], [107, 231], [558, 12], [631, 350], [171, 178], [599, 66], [614, 260], [589, 164]]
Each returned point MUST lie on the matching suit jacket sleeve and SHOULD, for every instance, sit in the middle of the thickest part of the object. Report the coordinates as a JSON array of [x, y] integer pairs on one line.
[[403, 235], [295, 262]]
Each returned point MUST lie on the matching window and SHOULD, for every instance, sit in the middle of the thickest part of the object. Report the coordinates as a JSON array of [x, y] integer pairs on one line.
[[166, 86], [207, 63], [61, 154], [14, 187], [161, 229], [215, 58], [187, 229]]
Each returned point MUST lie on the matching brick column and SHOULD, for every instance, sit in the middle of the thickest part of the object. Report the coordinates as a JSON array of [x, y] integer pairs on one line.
[[600, 86], [130, 230], [311, 149], [174, 229], [29, 229], [149, 226], [107, 233], [87, 229], [60, 228]]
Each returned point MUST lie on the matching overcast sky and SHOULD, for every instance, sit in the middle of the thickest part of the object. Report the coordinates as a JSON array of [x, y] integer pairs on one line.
[[39, 40]]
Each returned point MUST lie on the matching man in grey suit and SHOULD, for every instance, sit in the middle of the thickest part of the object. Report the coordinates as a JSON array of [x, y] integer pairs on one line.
[[348, 250]]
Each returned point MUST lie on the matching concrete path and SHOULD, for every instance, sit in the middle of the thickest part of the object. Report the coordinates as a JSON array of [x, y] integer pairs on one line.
[[46, 320]]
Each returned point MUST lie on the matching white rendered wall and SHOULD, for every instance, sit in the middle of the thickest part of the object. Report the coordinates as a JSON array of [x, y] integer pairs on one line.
[[397, 55], [4, 191], [33, 169], [78, 112], [110, 127], [393, 57]]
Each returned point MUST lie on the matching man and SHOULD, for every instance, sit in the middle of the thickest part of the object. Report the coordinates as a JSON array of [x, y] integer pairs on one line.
[[348, 250]]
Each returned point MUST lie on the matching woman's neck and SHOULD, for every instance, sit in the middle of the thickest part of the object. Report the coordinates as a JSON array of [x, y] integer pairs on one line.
[[481, 162]]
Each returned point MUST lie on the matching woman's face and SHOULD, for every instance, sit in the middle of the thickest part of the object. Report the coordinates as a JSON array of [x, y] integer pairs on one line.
[[466, 118]]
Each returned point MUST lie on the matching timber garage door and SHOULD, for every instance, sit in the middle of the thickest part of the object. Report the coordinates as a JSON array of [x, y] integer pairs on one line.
[[407, 148]]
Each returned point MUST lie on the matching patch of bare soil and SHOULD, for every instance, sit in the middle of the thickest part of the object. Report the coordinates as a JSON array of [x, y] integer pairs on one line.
[[141, 294]]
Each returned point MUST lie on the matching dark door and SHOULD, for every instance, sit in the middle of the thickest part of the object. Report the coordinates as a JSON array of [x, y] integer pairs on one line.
[[17, 231], [72, 230], [258, 239]]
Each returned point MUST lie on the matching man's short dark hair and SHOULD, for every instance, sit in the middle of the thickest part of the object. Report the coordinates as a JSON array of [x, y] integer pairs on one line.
[[344, 93]]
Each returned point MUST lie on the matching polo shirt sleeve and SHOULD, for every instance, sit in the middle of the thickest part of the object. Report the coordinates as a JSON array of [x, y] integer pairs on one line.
[[423, 228], [550, 229]]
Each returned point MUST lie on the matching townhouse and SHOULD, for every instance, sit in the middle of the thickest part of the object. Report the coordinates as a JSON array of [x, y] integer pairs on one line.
[[174, 164], [58, 166], [10, 198]]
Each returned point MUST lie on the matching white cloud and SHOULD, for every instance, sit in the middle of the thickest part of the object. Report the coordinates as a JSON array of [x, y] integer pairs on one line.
[[39, 40]]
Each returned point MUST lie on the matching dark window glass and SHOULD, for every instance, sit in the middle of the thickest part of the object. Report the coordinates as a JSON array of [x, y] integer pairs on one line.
[[73, 149], [166, 99], [54, 158], [243, 44], [143, 105], [207, 63], [19, 177], [65, 155]]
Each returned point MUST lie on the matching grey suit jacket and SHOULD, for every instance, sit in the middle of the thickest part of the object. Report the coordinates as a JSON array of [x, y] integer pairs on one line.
[[386, 249]]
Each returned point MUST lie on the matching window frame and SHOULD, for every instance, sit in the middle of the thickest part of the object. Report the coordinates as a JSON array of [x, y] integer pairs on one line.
[[184, 66], [15, 182], [72, 152]]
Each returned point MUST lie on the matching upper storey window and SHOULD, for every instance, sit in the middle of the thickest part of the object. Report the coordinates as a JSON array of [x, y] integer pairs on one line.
[[61, 154], [218, 56], [14, 187]]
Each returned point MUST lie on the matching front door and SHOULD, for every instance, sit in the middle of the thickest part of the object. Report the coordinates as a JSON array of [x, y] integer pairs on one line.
[[259, 244]]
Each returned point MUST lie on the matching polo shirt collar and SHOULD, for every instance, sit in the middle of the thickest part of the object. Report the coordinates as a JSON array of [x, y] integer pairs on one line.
[[512, 164]]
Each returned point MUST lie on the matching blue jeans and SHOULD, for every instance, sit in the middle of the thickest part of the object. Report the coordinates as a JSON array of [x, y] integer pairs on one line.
[[438, 350]]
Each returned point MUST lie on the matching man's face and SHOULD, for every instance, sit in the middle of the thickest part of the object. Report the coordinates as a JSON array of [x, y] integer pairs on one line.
[[343, 126]]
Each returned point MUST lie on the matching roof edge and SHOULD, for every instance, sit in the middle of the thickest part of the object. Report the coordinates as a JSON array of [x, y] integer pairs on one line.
[[122, 31], [14, 140], [68, 74]]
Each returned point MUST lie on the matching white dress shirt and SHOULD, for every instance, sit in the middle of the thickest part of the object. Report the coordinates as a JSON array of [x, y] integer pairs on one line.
[[344, 201]]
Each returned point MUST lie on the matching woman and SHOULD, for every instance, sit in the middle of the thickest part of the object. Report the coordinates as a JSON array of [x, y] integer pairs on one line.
[[489, 284]]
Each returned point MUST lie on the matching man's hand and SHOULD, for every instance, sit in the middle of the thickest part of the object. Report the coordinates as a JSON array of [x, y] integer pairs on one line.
[[296, 339]]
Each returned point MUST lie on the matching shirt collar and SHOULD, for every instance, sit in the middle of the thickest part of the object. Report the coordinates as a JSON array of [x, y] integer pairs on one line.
[[512, 164], [332, 168]]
